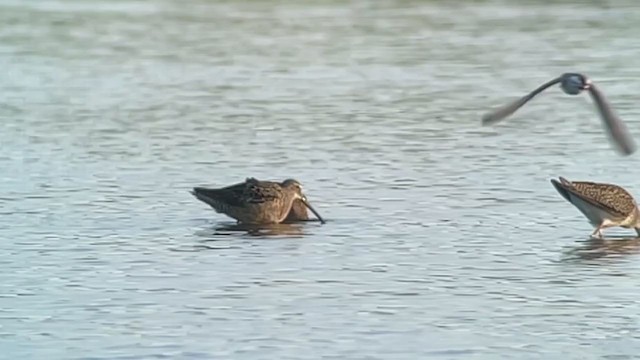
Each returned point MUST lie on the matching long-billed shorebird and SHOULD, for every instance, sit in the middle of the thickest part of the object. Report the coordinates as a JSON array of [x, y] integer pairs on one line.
[[604, 205], [574, 84], [257, 202]]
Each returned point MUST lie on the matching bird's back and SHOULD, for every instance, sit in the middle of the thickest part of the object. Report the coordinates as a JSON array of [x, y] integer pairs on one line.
[[251, 201], [611, 198]]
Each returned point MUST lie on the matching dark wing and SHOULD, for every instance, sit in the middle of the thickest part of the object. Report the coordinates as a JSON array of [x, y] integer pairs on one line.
[[610, 198], [507, 110], [615, 128], [227, 196]]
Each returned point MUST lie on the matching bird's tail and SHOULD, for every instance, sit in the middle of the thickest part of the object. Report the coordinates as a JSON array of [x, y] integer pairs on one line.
[[562, 187], [205, 195]]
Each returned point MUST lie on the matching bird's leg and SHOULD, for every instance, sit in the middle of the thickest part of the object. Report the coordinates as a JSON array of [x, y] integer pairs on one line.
[[604, 225], [597, 233]]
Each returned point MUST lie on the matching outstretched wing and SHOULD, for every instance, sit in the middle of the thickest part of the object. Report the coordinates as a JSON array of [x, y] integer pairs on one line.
[[616, 129]]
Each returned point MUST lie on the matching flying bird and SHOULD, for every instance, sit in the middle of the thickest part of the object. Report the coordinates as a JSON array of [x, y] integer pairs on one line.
[[573, 84]]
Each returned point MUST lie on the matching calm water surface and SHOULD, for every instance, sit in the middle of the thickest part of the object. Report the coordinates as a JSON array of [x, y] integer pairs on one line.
[[444, 239]]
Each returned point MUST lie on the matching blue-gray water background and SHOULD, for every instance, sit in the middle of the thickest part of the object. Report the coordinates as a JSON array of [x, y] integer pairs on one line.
[[444, 239]]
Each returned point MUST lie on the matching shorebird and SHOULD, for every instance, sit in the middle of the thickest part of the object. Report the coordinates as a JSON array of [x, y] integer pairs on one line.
[[574, 84], [257, 202], [604, 205]]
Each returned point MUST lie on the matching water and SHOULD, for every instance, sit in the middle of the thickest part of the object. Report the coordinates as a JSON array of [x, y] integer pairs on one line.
[[444, 239]]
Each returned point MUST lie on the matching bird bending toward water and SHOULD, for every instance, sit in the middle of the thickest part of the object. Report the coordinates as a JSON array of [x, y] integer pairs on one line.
[[297, 213], [258, 202], [573, 84], [604, 205]]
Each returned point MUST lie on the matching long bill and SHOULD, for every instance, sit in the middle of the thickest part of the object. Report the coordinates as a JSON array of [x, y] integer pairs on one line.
[[507, 110], [306, 203], [616, 129]]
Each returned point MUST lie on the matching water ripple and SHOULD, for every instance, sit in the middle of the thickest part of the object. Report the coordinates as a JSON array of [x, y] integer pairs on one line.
[[444, 239]]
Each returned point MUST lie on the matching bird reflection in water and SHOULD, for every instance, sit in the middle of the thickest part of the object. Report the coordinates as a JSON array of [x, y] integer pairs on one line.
[[596, 248], [283, 229], [293, 225]]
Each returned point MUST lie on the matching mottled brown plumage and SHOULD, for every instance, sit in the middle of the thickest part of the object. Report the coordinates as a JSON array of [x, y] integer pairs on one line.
[[611, 197], [256, 202], [298, 212], [604, 205]]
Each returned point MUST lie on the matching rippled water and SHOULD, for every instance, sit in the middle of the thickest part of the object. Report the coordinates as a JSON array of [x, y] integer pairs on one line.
[[444, 239]]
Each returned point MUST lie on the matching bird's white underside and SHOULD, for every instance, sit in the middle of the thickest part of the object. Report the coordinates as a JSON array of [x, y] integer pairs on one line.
[[596, 215]]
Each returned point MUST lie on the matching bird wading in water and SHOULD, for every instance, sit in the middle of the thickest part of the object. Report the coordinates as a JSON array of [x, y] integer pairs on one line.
[[259, 202], [604, 205]]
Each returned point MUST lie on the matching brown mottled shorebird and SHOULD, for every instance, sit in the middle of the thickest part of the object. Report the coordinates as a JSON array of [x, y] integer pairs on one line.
[[604, 205], [573, 84], [258, 202]]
